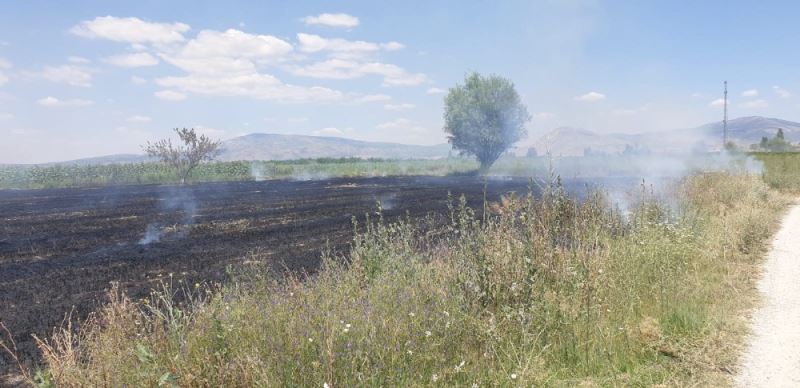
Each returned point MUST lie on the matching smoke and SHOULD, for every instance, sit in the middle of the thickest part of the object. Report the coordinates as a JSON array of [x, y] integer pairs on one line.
[[152, 234], [178, 209], [626, 180], [388, 201], [258, 171], [309, 176]]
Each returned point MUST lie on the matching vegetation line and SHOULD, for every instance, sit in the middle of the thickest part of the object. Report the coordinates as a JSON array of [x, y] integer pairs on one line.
[[544, 291]]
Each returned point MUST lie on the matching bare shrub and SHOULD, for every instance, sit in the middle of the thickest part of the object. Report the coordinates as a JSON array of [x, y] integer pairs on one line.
[[184, 158]]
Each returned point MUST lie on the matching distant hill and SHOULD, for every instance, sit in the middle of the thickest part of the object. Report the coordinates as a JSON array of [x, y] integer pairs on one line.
[[108, 159], [743, 131], [264, 146]]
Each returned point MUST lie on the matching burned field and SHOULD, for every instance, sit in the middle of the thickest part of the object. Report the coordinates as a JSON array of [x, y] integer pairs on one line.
[[60, 249]]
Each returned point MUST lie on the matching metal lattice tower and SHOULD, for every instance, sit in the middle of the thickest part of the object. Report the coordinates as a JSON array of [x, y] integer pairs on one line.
[[725, 118]]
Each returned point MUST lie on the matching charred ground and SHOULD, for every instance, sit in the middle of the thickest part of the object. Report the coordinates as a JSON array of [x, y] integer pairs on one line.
[[60, 249]]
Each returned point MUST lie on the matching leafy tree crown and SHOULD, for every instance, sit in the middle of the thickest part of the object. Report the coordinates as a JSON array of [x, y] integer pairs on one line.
[[484, 117]]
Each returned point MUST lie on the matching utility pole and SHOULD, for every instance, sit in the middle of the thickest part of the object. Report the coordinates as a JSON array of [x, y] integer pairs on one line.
[[725, 118]]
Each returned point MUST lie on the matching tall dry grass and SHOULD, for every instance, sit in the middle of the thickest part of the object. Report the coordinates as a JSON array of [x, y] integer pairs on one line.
[[530, 291]]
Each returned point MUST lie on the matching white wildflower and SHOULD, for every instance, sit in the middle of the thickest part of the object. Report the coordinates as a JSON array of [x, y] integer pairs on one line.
[[427, 333], [513, 376]]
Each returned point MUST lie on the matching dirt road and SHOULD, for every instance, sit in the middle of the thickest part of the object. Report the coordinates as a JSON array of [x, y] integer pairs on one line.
[[772, 358]]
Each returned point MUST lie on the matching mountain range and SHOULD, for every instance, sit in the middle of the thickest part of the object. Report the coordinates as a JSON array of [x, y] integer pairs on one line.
[[265, 146], [562, 141], [743, 131]]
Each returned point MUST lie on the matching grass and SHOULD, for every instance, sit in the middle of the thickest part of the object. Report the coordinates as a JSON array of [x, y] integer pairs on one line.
[[37, 177], [781, 169], [529, 291]]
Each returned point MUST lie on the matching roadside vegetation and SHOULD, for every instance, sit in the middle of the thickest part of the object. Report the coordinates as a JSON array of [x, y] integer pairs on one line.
[[528, 291], [781, 169]]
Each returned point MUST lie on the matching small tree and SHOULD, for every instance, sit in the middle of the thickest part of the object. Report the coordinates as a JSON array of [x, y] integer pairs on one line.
[[484, 117], [184, 158], [779, 143]]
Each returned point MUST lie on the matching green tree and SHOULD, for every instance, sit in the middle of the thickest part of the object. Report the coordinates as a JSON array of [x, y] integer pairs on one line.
[[484, 117], [764, 143], [779, 143]]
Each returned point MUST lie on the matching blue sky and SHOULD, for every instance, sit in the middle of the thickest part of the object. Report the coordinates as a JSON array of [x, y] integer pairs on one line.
[[87, 78]]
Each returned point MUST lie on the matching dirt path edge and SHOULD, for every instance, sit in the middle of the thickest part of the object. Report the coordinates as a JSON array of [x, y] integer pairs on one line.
[[772, 353]]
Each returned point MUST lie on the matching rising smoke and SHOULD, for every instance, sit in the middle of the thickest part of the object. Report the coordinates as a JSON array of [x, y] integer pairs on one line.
[[179, 206]]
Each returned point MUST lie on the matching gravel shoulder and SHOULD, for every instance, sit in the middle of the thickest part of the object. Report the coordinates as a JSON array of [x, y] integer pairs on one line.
[[771, 358]]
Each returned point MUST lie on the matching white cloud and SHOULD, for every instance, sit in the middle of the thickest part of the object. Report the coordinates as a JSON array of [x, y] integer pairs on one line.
[[133, 132], [718, 102], [783, 93], [374, 98], [345, 69], [233, 43], [78, 60], [332, 20], [6, 116], [750, 93], [227, 64], [231, 62], [402, 124], [254, 85], [311, 43], [591, 97], [132, 60], [228, 53], [755, 104], [4, 65], [399, 107], [130, 30], [21, 131], [329, 131], [624, 112], [67, 74], [213, 133], [435, 91], [52, 102], [140, 119], [543, 115], [138, 80], [392, 46], [170, 95]]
